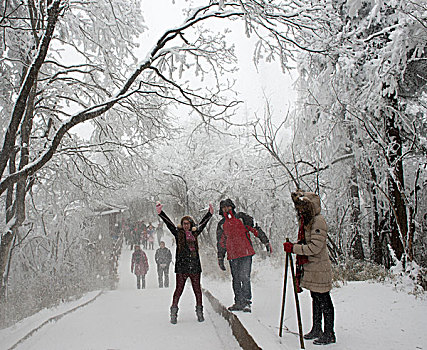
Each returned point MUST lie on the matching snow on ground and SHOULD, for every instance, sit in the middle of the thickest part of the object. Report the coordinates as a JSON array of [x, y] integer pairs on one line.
[[368, 316], [126, 318]]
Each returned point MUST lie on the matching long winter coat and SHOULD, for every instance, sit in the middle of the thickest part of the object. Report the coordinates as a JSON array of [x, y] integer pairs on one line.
[[317, 276], [186, 261], [139, 263], [233, 235]]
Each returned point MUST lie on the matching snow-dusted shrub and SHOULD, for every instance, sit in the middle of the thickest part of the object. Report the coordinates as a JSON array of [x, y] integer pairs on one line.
[[358, 270], [408, 275]]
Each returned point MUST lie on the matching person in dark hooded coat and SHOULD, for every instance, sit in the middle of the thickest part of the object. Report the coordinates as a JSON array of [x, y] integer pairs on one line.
[[187, 259], [233, 238]]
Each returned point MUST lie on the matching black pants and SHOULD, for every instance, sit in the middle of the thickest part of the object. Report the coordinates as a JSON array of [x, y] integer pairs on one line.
[[140, 281], [163, 272], [323, 306]]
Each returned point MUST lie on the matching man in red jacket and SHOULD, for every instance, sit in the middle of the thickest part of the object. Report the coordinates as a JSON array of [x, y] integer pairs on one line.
[[233, 238]]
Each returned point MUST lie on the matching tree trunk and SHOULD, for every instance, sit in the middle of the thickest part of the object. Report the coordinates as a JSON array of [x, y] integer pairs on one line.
[[356, 246], [399, 221], [376, 242]]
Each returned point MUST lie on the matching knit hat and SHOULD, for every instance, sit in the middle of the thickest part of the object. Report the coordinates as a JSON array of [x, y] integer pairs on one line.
[[226, 203]]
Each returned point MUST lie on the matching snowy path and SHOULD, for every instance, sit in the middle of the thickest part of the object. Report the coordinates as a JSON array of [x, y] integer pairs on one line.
[[369, 315], [128, 318]]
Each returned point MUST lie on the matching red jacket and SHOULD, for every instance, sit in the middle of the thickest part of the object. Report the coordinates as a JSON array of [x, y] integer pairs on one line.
[[233, 237], [139, 264]]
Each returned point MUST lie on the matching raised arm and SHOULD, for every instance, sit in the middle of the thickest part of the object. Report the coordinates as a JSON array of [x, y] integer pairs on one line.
[[170, 225], [204, 221]]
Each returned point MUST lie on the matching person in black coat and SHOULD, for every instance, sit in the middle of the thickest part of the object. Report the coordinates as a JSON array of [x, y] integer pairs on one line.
[[163, 258], [187, 259]]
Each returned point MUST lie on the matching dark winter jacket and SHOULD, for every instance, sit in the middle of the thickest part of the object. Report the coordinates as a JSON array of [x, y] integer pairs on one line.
[[139, 263], [163, 256], [186, 260], [233, 235]]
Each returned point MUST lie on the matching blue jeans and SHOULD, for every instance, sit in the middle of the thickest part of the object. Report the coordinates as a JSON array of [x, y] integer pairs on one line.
[[241, 274]]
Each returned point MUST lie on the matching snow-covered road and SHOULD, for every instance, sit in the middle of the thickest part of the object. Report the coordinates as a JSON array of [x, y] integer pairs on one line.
[[128, 318]]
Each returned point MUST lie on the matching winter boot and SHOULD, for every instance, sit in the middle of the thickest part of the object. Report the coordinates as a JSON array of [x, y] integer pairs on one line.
[[199, 313], [316, 329], [235, 307], [247, 308], [325, 338], [174, 314]]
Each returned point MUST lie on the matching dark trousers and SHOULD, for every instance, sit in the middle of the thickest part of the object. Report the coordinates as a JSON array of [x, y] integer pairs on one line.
[[163, 271], [181, 278], [140, 281], [323, 306], [241, 275]]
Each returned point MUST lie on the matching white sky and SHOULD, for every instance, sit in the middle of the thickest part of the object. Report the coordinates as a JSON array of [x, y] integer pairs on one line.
[[252, 84]]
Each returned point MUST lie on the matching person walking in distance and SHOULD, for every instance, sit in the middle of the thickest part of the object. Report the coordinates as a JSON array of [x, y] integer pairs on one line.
[[150, 231], [187, 259], [163, 258], [233, 238], [159, 232], [314, 271], [139, 266]]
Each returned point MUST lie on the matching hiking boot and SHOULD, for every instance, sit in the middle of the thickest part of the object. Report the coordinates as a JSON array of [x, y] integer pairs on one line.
[[313, 334], [247, 308], [199, 313], [174, 314], [325, 338], [235, 307]]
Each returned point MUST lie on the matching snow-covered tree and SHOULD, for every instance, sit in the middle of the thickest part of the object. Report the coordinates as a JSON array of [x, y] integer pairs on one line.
[[365, 97]]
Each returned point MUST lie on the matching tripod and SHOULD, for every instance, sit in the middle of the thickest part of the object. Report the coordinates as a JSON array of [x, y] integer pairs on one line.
[[289, 261]]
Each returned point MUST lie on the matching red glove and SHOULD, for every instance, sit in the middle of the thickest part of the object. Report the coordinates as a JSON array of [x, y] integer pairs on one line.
[[159, 207], [288, 246]]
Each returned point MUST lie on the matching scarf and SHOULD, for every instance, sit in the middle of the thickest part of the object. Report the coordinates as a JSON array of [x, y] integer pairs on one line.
[[301, 259], [191, 242]]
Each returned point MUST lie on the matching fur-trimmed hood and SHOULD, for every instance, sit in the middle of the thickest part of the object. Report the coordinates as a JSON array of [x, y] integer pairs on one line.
[[307, 204]]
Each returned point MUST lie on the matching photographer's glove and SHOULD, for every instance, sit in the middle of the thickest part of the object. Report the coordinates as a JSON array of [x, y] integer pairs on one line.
[[287, 246]]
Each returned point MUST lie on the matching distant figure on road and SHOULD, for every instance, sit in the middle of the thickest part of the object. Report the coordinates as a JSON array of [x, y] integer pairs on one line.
[[150, 231], [139, 266], [159, 232], [187, 260], [163, 259]]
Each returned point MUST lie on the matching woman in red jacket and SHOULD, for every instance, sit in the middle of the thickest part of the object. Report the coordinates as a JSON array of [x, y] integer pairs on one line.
[[139, 266]]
